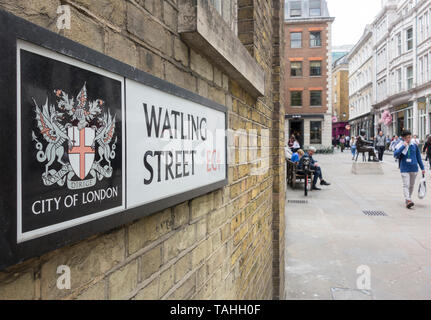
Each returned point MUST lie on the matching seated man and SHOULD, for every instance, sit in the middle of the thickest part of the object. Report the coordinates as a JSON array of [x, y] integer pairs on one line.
[[363, 145], [315, 167]]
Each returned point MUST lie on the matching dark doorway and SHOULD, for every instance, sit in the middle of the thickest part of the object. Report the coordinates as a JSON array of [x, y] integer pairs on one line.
[[297, 129]]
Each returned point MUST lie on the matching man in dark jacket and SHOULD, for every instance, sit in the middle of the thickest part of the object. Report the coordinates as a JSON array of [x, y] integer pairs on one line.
[[381, 144], [427, 149], [315, 167]]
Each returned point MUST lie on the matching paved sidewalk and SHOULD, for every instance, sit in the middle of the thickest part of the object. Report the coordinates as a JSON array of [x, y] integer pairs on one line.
[[329, 238]]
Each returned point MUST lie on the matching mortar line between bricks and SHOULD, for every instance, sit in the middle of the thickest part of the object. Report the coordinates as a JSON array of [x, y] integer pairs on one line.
[[90, 14], [152, 17]]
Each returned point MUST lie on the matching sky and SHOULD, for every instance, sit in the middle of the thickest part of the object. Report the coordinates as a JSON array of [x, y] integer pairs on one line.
[[351, 17]]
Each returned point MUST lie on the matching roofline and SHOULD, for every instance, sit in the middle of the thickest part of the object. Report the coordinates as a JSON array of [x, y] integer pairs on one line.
[[368, 33], [302, 20]]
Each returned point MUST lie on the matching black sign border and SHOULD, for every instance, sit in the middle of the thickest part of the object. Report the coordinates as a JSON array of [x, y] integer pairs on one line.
[[14, 28]]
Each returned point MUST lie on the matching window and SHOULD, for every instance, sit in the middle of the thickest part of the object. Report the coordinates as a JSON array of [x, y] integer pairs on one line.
[[409, 77], [399, 45], [296, 69], [409, 39], [421, 71], [409, 117], [316, 98], [315, 39], [426, 66], [421, 29], [315, 8], [399, 80], [295, 9], [296, 98], [315, 68], [315, 132], [422, 124], [295, 39], [426, 22]]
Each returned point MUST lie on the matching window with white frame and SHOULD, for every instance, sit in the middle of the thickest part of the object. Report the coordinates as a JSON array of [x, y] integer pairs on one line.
[[399, 44], [421, 70], [399, 80], [315, 8], [427, 68], [409, 75], [295, 8], [427, 24], [422, 124], [421, 29], [409, 39], [409, 116]]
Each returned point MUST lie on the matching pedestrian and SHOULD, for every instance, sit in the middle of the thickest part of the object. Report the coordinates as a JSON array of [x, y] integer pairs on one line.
[[347, 141], [342, 143], [415, 140], [380, 145], [353, 147], [427, 149], [297, 156], [291, 141], [409, 158], [314, 166], [388, 142], [394, 143], [296, 146]]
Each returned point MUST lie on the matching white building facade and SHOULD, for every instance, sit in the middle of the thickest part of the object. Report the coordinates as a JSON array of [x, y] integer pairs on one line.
[[361, 71], [402, 68]]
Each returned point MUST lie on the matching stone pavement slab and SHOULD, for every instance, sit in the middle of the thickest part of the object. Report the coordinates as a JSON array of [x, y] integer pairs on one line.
[[329, 238]]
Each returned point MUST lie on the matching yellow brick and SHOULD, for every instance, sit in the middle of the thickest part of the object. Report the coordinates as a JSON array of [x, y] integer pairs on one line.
[[151, 262], [150, 292], [123, 281], [166, 281], [18, 287]]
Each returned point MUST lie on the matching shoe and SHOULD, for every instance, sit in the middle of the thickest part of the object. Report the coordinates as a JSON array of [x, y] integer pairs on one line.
[[409, 204], [324, 183], [315, 188]]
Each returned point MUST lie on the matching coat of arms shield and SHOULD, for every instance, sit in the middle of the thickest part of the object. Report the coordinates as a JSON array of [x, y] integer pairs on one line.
[[81, 153]]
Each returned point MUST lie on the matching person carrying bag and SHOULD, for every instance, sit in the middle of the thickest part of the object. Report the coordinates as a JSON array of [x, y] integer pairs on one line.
[[422, 192]]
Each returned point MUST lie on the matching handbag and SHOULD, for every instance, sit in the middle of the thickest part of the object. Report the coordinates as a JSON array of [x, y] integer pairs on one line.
[[422, 188]]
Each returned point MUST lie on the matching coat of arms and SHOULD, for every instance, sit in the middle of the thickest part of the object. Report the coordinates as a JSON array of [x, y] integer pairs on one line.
[[79, 136]]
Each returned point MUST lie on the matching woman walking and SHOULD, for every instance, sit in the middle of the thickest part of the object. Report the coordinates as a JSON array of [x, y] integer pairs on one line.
[[353, 147], [342, 143]]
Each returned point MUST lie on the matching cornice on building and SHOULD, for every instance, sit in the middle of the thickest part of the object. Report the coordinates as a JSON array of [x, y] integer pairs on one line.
[[309, 20], [365, 37]]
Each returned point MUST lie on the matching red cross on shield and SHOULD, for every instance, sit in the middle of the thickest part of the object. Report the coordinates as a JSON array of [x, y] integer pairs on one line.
[[81, 156]]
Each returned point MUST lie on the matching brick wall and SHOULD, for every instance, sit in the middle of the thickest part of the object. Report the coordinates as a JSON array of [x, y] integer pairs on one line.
[[226, 244]]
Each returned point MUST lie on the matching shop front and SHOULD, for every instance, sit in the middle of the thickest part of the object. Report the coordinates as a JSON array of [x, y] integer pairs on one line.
[[365, 122]]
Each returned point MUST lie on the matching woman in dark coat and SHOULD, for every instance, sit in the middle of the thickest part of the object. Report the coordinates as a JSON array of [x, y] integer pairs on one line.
[[427, 148]]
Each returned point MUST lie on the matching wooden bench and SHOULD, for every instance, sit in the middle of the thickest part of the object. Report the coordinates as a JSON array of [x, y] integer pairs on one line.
[[293, 174]]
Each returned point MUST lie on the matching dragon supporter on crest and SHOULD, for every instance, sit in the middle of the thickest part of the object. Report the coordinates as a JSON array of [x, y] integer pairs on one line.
[[80, 126]]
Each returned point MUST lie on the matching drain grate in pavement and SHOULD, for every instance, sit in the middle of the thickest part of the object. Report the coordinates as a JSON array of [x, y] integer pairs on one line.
[[298, 201], [374, 213]]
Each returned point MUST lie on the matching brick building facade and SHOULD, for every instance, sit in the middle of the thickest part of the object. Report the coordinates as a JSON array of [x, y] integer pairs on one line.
[[340, 97], [228, 244], [308, 101]]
